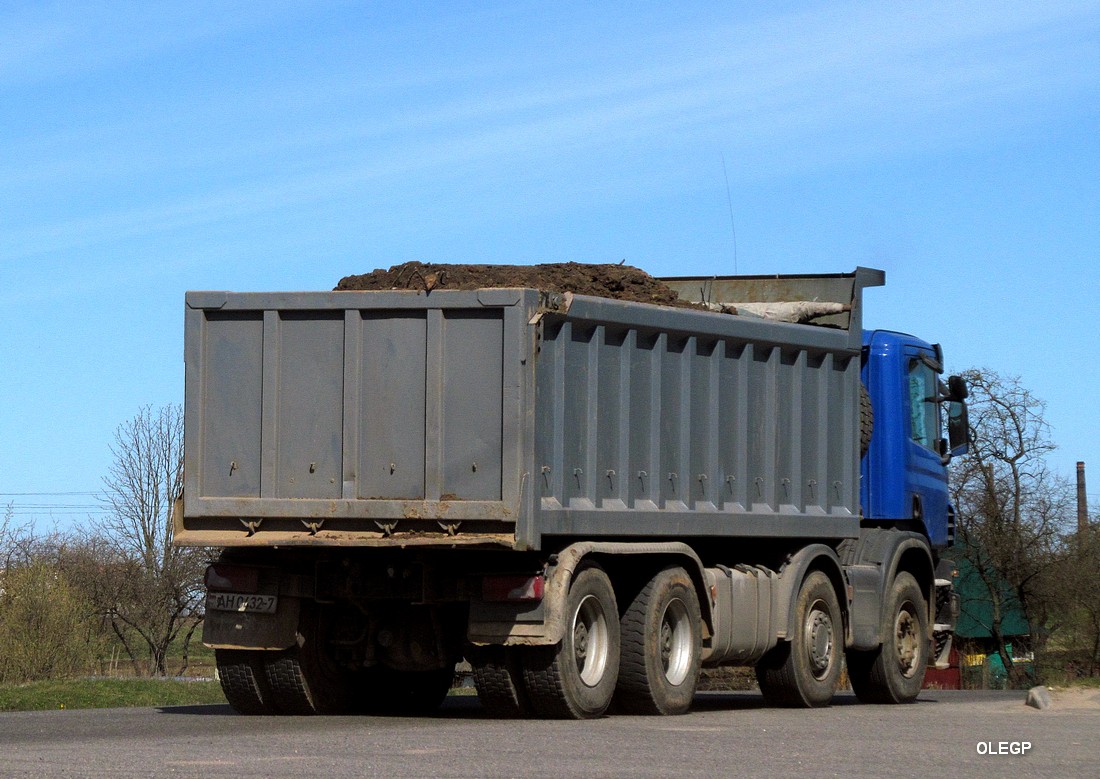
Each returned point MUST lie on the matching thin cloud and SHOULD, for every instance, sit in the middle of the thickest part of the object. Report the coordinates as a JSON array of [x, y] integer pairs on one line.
[[50, 41], [802, 91]]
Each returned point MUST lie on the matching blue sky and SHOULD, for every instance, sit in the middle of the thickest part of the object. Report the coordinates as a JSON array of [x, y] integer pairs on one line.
[[151, 148]]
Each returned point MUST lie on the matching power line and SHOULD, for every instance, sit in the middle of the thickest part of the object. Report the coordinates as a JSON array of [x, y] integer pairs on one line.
[[42, 494], [13, 504], [49, 506], [60, 513]]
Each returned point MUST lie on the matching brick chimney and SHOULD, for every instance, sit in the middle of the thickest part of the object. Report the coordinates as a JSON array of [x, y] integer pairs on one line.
[[1082, 503]]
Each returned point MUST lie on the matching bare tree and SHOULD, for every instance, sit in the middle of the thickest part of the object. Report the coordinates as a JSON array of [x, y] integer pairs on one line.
[[17, 542], [1012, 510], [1075, 602], [151, 590]]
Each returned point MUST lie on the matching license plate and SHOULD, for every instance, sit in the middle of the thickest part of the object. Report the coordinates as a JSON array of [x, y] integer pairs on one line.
[[231, 601]]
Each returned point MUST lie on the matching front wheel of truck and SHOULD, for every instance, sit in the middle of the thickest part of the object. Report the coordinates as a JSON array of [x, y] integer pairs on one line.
[[894, 673], [575, 678]]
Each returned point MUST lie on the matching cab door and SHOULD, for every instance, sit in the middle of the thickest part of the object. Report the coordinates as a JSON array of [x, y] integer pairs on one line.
[[926, 476]]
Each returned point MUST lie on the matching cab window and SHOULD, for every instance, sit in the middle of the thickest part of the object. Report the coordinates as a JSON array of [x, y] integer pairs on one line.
[[924, 420]]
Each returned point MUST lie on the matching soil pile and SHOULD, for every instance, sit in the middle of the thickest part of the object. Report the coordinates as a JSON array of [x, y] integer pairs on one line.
[[620, 282]]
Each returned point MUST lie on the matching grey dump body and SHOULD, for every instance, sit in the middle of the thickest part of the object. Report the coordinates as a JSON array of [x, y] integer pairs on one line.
[[511, 417]]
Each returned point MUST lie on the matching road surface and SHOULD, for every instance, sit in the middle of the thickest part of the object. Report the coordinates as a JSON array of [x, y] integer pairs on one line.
[[727, 734]]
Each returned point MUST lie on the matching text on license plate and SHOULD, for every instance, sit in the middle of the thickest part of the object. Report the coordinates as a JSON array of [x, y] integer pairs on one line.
[[230, 601]]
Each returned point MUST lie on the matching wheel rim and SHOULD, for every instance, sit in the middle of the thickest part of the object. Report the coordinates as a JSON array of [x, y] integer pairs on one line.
[[907, 641], [819, 639], [675, 642], [590, 640]]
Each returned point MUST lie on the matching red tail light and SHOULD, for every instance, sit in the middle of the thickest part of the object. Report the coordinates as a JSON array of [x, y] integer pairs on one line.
[[513, 588], [232, 578]]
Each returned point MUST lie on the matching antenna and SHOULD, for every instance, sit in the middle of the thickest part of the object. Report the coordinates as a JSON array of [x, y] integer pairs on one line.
[[729, 200]]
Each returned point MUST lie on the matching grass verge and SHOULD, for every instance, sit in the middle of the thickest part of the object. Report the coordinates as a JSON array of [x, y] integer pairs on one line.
[[107, 694]]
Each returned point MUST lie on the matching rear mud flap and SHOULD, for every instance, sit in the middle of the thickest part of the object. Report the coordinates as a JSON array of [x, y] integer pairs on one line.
[[240, 630]]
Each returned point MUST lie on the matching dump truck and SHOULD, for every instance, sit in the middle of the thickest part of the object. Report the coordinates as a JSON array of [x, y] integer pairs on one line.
[[587, 499]]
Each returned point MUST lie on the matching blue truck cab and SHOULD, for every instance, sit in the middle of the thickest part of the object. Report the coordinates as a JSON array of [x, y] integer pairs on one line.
[[904, 468]]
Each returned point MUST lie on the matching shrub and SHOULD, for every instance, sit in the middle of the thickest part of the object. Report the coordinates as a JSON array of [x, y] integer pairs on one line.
[[46, 626]]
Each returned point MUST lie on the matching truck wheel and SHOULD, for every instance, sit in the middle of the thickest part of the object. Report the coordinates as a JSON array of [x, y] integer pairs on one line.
[[498, 675], [803, 672], [241, 673], [894, 673], [661, 646], [575, 679], [303, 679]]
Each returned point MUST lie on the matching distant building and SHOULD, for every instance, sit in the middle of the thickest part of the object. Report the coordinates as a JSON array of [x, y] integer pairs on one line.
[[975, 662]]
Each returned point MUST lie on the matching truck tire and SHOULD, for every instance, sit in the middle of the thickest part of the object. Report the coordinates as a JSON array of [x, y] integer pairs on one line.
[[498, 676], [894, 673], [241, 673], [661, 646], [575, 679], [803, 672], [866, 419], [303, 680]]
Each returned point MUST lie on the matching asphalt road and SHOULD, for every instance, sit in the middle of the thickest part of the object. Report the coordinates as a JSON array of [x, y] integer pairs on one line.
[[728, 734]]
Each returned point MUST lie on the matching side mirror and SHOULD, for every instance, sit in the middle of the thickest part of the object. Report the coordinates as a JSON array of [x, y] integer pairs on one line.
[[957, 389], [958, 426]]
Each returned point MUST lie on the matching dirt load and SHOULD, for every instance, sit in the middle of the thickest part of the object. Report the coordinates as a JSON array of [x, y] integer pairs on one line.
[[621, 282]]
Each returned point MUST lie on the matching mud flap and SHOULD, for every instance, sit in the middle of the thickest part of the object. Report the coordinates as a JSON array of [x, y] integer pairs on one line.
[[240, 630]]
